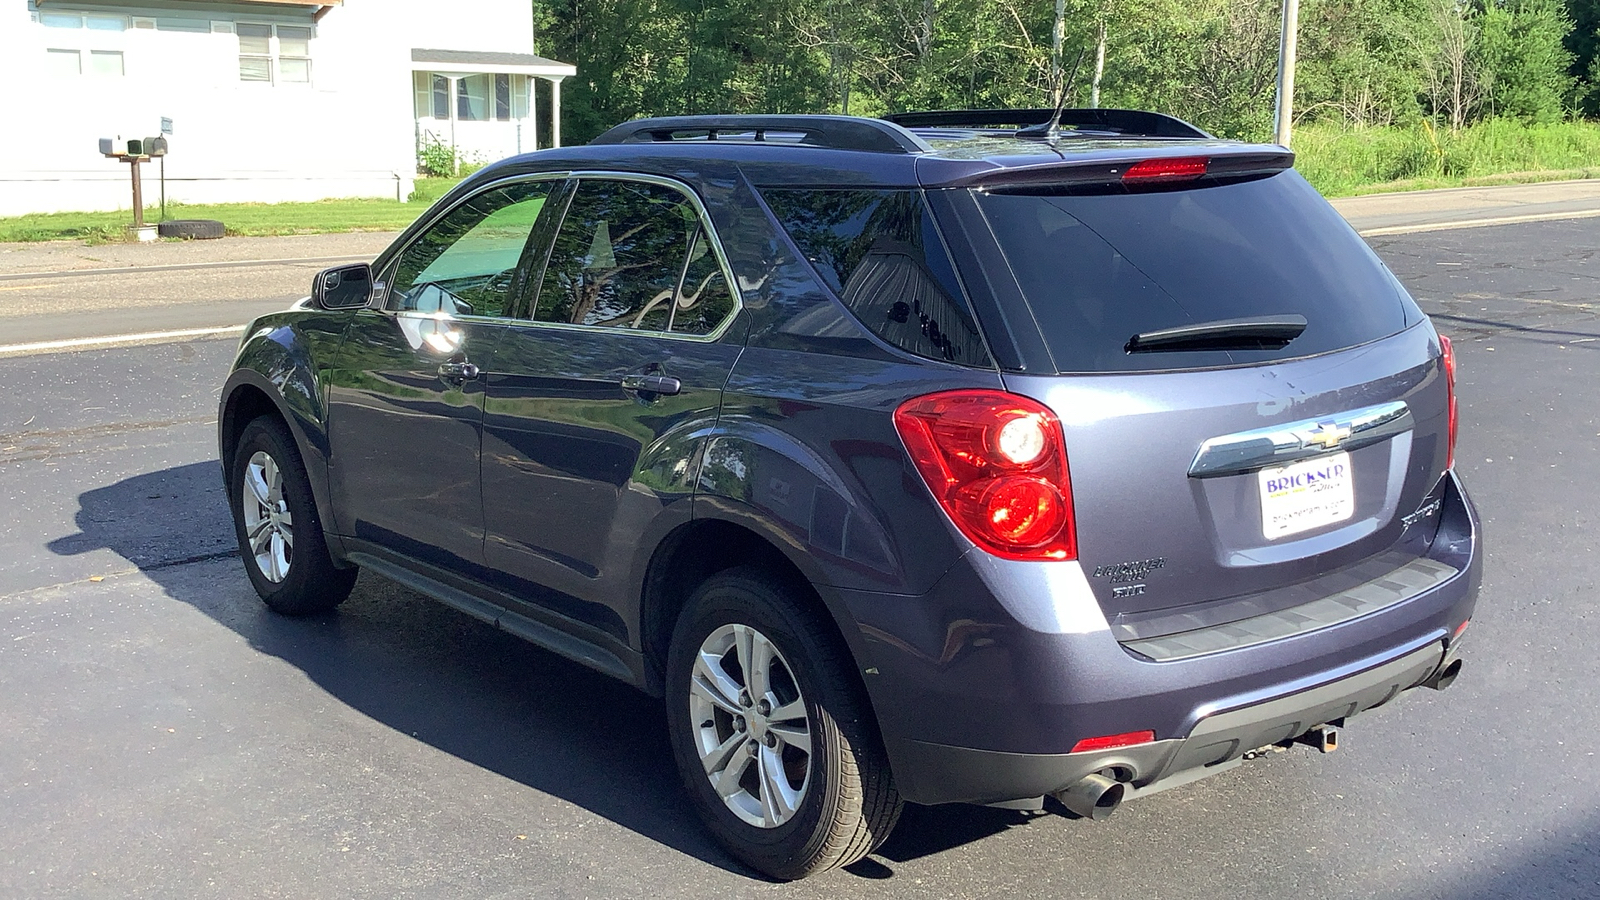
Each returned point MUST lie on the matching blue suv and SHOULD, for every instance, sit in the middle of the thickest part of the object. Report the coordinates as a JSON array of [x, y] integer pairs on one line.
[[999, 457]]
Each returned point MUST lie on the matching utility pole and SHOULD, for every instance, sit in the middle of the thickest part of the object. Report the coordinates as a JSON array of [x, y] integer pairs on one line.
[[1099, 65], [1057, 33], [1283, 116]]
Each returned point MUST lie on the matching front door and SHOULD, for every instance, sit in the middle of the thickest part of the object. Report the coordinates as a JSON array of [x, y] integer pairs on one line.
[[595, 407], [406, 399]]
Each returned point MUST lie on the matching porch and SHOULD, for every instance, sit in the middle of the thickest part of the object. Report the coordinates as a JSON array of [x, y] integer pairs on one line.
[[485, 105]]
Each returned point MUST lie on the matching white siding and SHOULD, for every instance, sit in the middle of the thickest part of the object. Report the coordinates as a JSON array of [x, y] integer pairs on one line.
[[350, 132]]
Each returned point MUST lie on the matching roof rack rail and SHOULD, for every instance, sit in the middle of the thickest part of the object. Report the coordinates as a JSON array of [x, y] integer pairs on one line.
[[1034, 121], [832, 132]]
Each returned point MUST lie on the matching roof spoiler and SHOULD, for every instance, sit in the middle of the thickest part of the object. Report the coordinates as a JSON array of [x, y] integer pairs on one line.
[[1036, 122], [1239, 161]]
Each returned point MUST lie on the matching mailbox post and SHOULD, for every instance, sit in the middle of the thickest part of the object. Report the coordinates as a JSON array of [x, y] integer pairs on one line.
[[134, 152]]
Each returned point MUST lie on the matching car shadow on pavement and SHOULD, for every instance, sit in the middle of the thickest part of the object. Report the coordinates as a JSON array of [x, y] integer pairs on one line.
[[416, 666]]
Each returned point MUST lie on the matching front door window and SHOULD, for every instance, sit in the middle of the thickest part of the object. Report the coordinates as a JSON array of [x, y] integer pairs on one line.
[[467, 263]]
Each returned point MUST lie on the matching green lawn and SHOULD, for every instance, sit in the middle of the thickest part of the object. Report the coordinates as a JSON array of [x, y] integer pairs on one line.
[[1343, 162], [240, 218], [1340, 161]]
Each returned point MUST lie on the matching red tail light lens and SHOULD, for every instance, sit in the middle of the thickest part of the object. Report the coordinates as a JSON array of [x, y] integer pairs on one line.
[[1448, 359], [997, 464], [1113, 741], [1183, 168]]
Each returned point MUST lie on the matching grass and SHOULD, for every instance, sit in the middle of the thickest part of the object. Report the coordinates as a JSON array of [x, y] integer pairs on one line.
[[1340, 161], [359, 214], [1345, 162]]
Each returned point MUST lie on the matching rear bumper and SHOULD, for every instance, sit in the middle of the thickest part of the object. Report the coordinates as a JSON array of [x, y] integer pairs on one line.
[[981, 696], [958, 774]]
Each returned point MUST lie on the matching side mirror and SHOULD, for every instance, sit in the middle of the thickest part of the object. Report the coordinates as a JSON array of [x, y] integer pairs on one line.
[[343, 287]]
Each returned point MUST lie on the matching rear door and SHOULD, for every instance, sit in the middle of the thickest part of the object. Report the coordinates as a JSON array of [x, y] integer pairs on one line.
[[1215, 480], [596, 407]]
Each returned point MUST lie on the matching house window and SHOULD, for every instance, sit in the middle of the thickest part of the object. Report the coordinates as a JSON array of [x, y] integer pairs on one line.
[[63, 62], [105, 62], [473, 98], [481, 98], [277, 54]]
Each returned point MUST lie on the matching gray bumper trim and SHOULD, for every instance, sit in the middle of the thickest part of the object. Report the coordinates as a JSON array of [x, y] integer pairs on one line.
[[1396, 586]]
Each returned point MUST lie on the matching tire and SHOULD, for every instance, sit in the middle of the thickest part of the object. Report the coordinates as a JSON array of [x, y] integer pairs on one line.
[[791, 812], [288, 560], [194, 229]]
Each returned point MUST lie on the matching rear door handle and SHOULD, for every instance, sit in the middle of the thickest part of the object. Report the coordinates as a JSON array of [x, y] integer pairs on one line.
[[652, 384], [458, 372]]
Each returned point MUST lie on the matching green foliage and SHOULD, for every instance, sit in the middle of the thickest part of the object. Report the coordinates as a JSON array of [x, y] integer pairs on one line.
[[1341, 160], [437, 159], [1523, 60], [1212, 62]]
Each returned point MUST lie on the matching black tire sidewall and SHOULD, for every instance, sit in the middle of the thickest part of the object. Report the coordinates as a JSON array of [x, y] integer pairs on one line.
[[736, 599]]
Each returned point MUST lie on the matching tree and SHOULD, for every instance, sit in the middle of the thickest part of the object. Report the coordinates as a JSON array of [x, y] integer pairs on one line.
[[1521, 59]]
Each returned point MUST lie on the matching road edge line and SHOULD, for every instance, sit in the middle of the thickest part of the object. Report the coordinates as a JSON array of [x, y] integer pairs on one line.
[[1477, 223], [114, 339]]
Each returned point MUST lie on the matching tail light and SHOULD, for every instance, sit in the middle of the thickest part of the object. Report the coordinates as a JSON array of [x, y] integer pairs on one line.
[[997, 464], [1448, 359], [1153, 171]]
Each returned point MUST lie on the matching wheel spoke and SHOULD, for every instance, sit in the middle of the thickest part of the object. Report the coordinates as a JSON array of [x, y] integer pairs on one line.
[[274, 481], [788, 712], [778, 800], [794, 733], [256, 533], [258, 487], [756, 675], [743, 638], [279, 557], [713, 684]]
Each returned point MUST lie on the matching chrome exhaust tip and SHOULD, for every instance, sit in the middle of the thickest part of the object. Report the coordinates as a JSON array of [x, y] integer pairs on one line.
[[1092, 797]]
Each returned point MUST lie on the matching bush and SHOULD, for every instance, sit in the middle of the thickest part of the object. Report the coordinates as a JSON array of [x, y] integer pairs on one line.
[[436, 159]]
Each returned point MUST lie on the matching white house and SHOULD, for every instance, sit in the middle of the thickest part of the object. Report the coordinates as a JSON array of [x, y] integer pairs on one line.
[[268, 100]]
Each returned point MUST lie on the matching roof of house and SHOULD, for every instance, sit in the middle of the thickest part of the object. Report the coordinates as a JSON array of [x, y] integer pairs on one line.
[[484, 61]]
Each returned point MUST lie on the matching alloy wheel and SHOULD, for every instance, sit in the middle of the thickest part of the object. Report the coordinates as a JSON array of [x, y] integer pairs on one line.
[[750, 725], [268, 526]]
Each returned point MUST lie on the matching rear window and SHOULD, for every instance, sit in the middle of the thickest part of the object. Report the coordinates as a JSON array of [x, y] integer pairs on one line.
[[1097, 269], [880, 253]]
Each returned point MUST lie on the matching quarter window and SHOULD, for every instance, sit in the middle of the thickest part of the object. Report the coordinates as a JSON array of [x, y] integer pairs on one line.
[[880, 253], [466, 263], [635, 255]]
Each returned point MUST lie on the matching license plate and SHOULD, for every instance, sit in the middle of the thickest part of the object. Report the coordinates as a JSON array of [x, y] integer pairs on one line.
[[1306, 495]]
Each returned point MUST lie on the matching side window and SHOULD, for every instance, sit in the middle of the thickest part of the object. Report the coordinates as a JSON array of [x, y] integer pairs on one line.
[[633, 254], [879, 253], [466, 263]]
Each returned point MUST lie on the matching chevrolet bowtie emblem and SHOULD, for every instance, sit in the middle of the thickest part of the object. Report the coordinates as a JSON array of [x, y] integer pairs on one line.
[[1328, 434]]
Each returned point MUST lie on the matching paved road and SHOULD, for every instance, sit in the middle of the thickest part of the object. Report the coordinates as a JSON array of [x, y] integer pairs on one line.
[[166, 737]]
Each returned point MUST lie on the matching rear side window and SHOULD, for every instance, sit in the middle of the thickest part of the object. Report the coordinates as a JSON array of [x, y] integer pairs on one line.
[[1098, 269], [636, 255], [880, 254]]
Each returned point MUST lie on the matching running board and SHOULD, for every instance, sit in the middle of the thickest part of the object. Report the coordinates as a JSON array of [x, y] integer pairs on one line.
[[531, 630]]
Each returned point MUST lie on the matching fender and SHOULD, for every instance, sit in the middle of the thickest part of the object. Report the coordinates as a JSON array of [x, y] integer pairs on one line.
[[285, 356]]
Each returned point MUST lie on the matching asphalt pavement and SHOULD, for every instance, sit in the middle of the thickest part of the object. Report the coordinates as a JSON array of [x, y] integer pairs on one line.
[[166, 736]]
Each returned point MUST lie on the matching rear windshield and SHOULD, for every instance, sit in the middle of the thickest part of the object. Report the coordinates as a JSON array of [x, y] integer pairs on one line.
[[1098, 269]]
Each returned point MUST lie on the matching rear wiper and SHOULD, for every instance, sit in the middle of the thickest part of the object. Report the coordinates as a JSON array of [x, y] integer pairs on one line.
[[1250, 333]]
